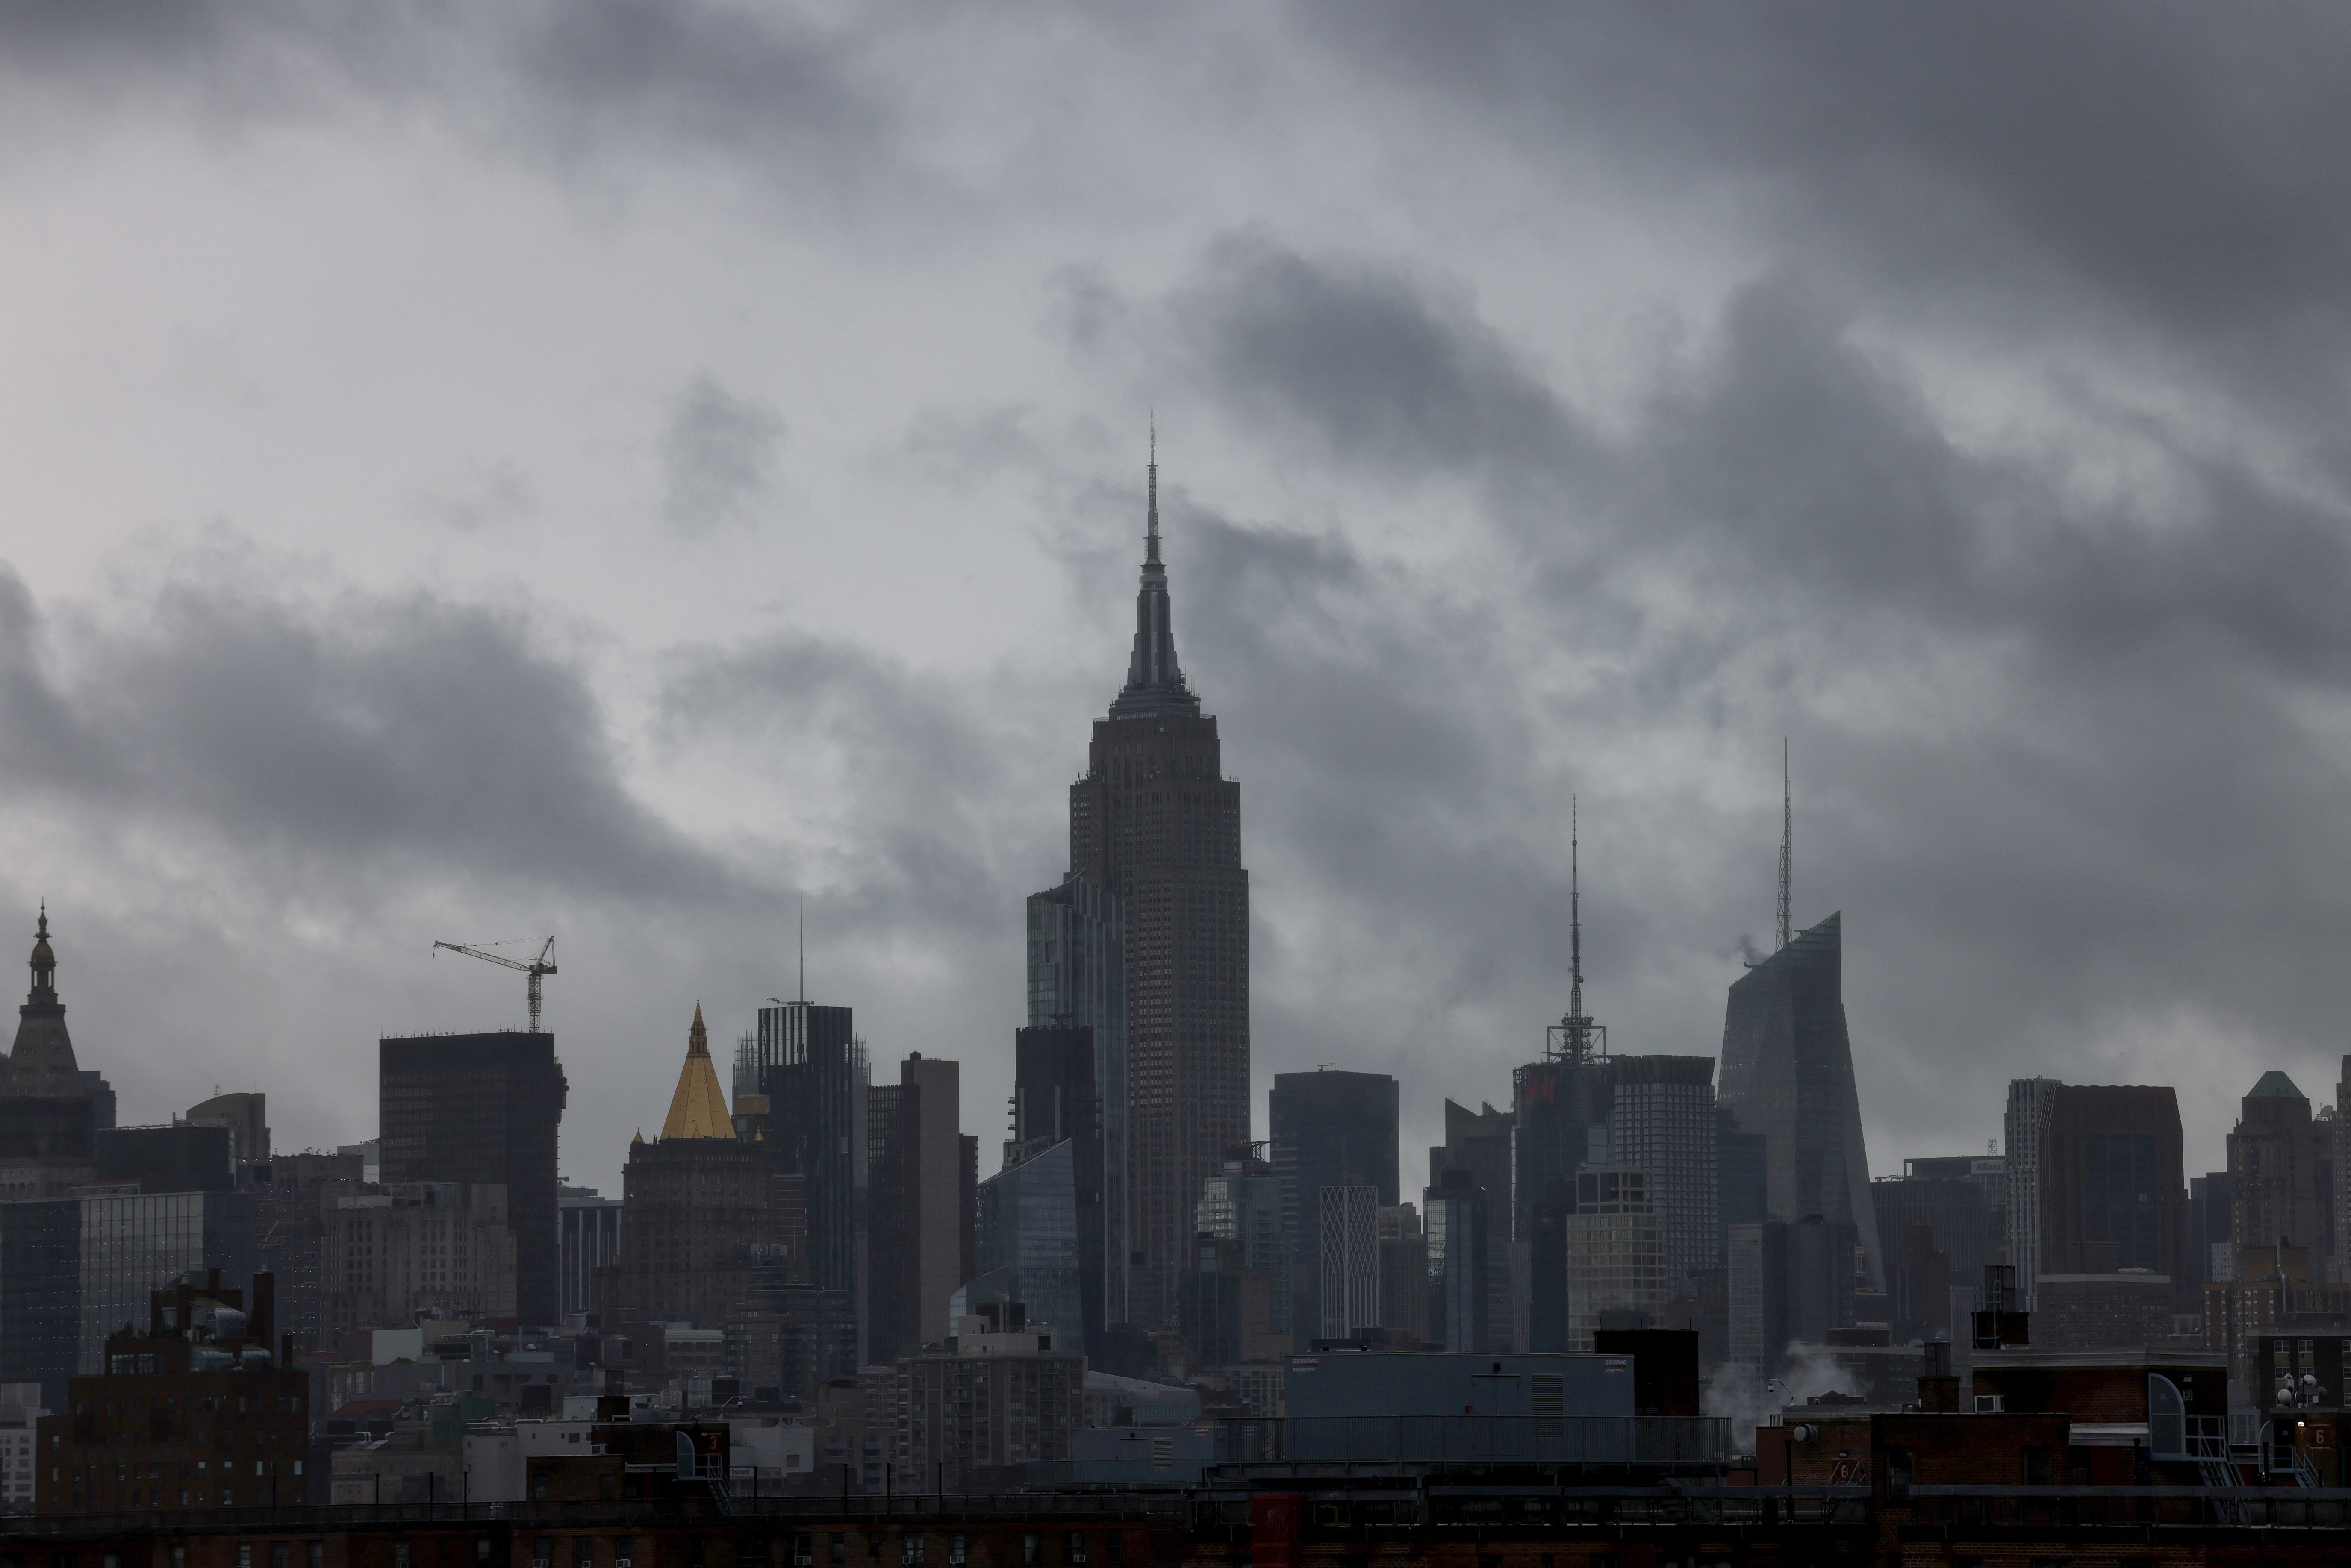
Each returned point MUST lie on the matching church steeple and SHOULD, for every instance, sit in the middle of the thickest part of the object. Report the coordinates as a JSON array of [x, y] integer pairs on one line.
[[1154, 682], [698, 1108]]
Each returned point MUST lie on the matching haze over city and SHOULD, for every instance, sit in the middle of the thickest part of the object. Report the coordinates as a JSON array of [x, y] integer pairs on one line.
[[610, 469]]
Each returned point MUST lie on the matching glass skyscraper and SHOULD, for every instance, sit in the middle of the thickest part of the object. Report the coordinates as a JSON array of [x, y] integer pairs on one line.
[[1787, 1073], [1077, 979]]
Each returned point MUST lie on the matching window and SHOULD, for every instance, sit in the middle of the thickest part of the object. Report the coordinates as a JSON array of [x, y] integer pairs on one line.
[[318, 1555], [282, 1554], [244, 1554]]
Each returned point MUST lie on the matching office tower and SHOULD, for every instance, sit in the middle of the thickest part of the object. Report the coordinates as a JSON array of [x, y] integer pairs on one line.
[[1027, 1245], [1789, 1286], [1615, 1250], [1563, 1106], [1480, 1142], [1242, 1202], [48, 1120], [74, 1270], [1548, 1306], [1077, 979], [697, 1208], [2109, 1175], [482, 1110], [1404, 1275], [2339, 1173], [182, 1156], [1937, 1234], [1348, 1276], [290, 1196], [1327, 1129], [811, 1070], [1456, 1221], [1742, 1179], [443, 1249], [2021, 1128], [1663, 1124], [915, 1218], [1157, 824], [588, 1239], [1056, 1100], [1787, 1073], [1230, 1312], [247, 1116], [2209, 1215], [2275, 1185], [792, 1339]]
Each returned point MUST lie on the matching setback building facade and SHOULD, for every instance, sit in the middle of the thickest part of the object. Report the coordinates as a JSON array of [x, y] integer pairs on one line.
[[1157, 824]]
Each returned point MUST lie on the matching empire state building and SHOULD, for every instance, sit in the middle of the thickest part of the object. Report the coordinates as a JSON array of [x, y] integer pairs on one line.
[[1155, 822]]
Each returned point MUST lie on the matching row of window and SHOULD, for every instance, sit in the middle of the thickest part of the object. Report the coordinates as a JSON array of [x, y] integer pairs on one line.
[[189, 1405]]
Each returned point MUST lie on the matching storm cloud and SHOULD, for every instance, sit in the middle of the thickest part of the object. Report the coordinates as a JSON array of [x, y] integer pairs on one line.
[[1554, 404]]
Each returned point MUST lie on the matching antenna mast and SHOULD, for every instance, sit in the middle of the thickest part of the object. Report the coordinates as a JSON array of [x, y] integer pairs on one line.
[[1573, 1033], [803, 986], [1787, 838]]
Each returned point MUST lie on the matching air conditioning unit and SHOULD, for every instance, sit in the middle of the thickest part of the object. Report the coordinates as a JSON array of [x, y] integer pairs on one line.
[[1991, 1403]]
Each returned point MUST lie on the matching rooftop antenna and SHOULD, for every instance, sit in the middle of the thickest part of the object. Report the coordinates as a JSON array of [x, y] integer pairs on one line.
[[1151, 532], [1787, 838], [1575, 1030], [803, 988]]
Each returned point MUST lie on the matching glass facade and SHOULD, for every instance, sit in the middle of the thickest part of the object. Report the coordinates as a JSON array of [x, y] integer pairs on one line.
[[812, 1068], [134, 1246], [1787, 1072], [1077, 978], [1028, 1239]]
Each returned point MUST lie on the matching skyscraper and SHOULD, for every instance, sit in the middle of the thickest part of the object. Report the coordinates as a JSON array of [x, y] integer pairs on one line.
[[1077, 979], [1787, 1073], [1155, 823], [1663, 1122], [811, 1069], [484, 1110], [1055, 1102], [1348, 1260], [2027, 1102], [47, 1118], [1327, 1129], [2275, 1185], [2110, 1181], [1459, 1316]]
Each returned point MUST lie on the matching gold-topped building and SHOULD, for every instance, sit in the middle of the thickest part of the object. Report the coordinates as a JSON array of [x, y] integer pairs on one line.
[[698, 1108], [700, 1207]]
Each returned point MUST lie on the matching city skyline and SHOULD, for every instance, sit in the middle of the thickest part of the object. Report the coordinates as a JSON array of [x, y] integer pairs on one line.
[[580, 490]]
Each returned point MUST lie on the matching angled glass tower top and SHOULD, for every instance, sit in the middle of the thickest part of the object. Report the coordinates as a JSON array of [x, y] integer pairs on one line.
[[1787, 1073]]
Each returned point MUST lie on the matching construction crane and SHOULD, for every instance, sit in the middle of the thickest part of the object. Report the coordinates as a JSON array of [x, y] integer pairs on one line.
[[535, 968]]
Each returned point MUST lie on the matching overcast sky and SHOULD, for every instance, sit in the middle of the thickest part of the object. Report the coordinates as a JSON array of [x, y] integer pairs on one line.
[[603, 466]]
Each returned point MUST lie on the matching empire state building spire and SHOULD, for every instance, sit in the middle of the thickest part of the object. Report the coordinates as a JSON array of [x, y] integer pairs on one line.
[[1154, 682]]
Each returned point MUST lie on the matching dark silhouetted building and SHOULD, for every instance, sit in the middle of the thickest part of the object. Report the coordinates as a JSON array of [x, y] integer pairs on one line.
[[918, 1224], [247, 1116], [1480, 1142], [482, 1110], [1056, 1098], [48, 1116], [1662, 1123], [590, 1239], [2110, 1188], [1329, 1129], [1155, 823], [1458, 1217], [1404, 1275], [1742, 1179], [2276, 1185], [1787, 1073], [811, 1070], [182, 1156], [1077, 979]]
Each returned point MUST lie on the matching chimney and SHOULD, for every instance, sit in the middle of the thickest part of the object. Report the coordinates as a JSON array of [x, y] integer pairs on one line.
[[265, 1309]]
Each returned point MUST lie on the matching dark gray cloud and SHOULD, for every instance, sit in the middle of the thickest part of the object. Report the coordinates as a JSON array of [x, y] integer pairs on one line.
[[358, 731], [718, 456]]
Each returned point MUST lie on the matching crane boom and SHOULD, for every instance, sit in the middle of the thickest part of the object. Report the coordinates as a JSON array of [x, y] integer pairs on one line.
[[542, 965]]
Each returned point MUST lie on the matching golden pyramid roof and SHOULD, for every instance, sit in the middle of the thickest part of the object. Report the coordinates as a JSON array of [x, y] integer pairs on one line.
[[698, 1108]]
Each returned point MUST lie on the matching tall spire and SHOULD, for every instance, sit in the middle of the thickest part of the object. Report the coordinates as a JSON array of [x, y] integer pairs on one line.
[[1151, 526], [1575, 1030], [1154, 682], [1787, 840]]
